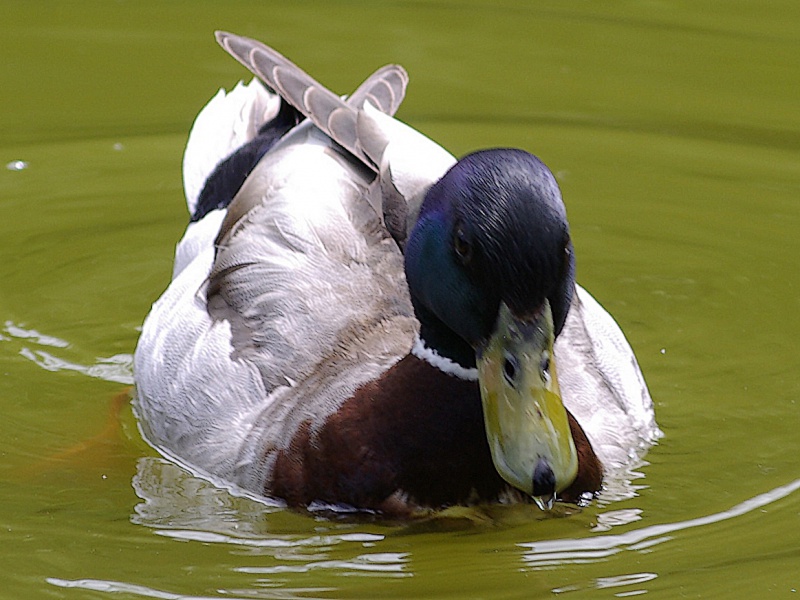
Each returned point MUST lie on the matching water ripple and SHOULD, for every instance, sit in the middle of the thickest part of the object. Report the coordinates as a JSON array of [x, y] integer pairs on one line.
[[383, 563], [556, 552], [116, 587], [19, 332], [117, 368]]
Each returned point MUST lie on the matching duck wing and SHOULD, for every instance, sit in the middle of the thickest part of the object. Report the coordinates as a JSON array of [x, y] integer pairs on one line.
[[384, 89], [406, 161], [602, 384], [301, 300], [233, 122]]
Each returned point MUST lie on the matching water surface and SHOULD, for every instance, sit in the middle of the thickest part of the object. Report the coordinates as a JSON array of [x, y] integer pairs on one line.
[[674, 132]]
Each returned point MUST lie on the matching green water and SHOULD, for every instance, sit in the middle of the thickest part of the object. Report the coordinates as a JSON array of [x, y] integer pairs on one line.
[[674, 130]]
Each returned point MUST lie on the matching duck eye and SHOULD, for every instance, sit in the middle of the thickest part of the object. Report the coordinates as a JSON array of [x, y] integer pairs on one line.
[[462, 245], [510, 368]]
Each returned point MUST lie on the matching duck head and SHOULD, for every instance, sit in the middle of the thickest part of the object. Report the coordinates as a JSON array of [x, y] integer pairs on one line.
[[490, 269]]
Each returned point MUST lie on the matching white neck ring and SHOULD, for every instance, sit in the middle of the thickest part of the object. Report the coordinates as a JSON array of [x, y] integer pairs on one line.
[[444, 364]]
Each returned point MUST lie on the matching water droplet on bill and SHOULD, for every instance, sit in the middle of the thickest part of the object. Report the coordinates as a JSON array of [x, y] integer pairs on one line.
[[545, 503]]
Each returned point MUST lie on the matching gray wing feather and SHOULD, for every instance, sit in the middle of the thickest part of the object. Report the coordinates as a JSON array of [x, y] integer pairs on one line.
[[385, 89]]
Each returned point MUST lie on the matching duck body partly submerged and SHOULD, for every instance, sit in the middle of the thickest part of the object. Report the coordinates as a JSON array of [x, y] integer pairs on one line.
[[332, 329]]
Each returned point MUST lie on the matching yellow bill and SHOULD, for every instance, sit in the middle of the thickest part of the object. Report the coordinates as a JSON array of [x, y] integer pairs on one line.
[[526, 422]]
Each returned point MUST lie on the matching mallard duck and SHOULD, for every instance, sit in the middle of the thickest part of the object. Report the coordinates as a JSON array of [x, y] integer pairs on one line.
[[355, 318]]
